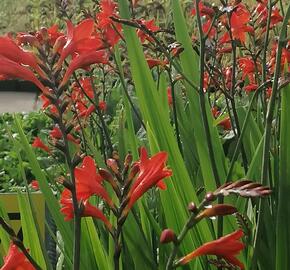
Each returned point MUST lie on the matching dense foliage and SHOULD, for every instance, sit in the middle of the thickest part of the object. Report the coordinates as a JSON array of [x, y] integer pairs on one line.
[[168, 136]]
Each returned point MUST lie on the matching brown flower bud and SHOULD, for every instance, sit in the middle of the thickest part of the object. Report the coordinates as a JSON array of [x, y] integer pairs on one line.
[[106, 174], [217, 210], [128, 159], [192, 207], [112, 163], [210, 197], [115, 155], [167, 236]]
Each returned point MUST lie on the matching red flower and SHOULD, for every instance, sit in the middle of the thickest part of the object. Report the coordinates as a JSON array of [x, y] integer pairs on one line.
[[77, 37], [238, 22], [155, 62], [107, 9], [226, 247], [151, 172], [206, 27], [150, 25], [53, 34], [10, 50], [86, 84], [105, 24], [262, 11], [247, 66], [89, 110], [11, 69], [226, 123], [251, 87], [45, 101], [88, 209], [203, 10], [102, 105], [38, 143], [84, 60], [89, 182], [16, 260], [34, 184], [55, 133]]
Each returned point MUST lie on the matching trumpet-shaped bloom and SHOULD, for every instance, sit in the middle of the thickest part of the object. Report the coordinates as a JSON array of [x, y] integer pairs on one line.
[[11, 69], [89, 182], [150, 25], [238, 22], [107, 9], [16, 260], [226, 247], [84, 60], [38, 143], [151, 172], [79, 38], [247, 67], [55, 133], [88, 209], [10, 50], [204, 10], [110, 30]]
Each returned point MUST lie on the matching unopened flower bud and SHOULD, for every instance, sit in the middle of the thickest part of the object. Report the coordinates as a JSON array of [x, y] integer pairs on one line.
[[44, 33], [112, 163], [106, 174], [167, 236], [59, 44], [134, 170], [192, 207], [128, 159], [210, 197], [115, 155], [217, 210]]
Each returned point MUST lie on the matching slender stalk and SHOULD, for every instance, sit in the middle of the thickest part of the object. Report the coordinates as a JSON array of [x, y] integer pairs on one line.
[[188, 225], [66, 151], [101, 118], [232, 100], [269, 118], [202, 98], [203, 109], [77, 214], [271, 106], [18, 243], [127, 94], [264, 56], [239, 142], [162, 48], [175, 112]]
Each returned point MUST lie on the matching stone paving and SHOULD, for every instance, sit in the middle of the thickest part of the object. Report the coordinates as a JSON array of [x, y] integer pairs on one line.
[[16, 102]]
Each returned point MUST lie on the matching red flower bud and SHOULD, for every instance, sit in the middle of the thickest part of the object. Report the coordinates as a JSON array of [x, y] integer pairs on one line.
[[167, 236]]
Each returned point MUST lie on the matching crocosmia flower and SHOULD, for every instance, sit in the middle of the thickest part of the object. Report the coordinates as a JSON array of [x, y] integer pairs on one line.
[[88, 209], [38, 143], [16, 260], [152, 171], [226, 247]]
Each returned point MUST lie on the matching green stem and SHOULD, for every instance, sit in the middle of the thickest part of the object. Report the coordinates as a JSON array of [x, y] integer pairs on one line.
[[175, 112], [18, 243], [192, 221], [269, 118], [202, 98], [239, 143]]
